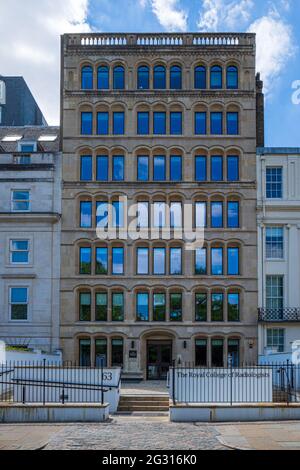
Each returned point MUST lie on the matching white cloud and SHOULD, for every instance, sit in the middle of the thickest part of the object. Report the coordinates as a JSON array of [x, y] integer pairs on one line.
[[30, 44], [216, 15], [169, 15]]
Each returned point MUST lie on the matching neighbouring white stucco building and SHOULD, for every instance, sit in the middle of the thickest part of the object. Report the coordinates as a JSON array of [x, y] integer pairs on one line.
[[30, 213], [278, 181]]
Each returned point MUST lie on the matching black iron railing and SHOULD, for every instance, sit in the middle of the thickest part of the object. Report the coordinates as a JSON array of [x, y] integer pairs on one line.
[[279, 315]]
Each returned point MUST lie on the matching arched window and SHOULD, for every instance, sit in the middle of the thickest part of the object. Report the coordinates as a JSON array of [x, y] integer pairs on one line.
[[232, 77], [143, 78], [103, 78], [200, 77], [87, 78], [119, 78], [216, 77], [175, 78], [159, 77]]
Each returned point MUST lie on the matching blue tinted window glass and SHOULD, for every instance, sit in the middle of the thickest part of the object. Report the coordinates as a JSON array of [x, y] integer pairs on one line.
[[175, 78], [232, 168], [101, 214], [119, 78], [200, 261], [143, 78], [200, 78], [143, 168], [159, 123], [85, 214], [233, 261], [159, 81], [232, 123], [118, 261], [19, 294], [175, 261], [175, 168], [118, 168], [217, 261], [86, 168], [103, 78], [200, 168], [101, 261], [159, 170], [200, 214], [233, 307], [102, 123], [86, 123], [233, 214], [216, 123], [200, 123], [232, 79], [142, 261], [217, 214], [159, 261], [142, 307], [85, 260], [216, 163], [175, 123], [216, 77], [102, 168], [118, 123], [143, 123], [118, 214], [87, 78]]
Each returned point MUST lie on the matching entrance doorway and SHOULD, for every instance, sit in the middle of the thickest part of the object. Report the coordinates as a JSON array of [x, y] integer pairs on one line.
[[159, 359]]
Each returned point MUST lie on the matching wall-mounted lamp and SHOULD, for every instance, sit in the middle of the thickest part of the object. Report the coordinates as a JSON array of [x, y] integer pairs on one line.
[[132, 344], [184, 344]]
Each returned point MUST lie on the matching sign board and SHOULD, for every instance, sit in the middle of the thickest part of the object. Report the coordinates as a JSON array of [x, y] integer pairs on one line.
[[133, 354]]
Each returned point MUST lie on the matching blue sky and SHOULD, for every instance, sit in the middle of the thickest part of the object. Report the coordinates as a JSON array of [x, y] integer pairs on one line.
[[34, 43]]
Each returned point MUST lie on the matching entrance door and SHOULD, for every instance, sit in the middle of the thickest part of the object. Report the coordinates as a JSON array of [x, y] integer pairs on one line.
[[159, 359]]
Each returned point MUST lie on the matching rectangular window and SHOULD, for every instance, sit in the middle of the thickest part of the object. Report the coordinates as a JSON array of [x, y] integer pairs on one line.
[[101, 261], [118, 214], [216, 123], [233, 214], [274, 183], [117, 261], [200, 262], [274, 242], [118, 123], [175, 261], [86, 168], [143, 123], [217, 353], [103, 123], [143, 215], [274, 294], [233, 267], [176, 215], [118, 168], [217, 261], [102, 168], [117, 306], [159, 261], [200, 124], [143, 168], [159, 123], [28, 148], [86, 123], [201, 307], [200, 214], [102, 214], [233, 305], [175, 168], [232, 168], [216, 168], [18, 303], [234, 352], [159, 209], [117, 352], [142, 261], [275, 339], [175, 307], [200, 168], [217, 214], [232, 123], [142, 306], [85, 259], [85, 306], [159, 168], [201, 352], [175, 123], [19, 251], [20, 201], [85, 214], [159, 307], [101, 306], [101, 352], [85, 352], [217, 307]]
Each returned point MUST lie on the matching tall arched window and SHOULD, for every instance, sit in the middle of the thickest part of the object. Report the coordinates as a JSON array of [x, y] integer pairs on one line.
[[232, 77], [119, 78], [143, 78], [175, 78], [103, 78], [216, 77], [159, 77], [87, 78], [200, 77]]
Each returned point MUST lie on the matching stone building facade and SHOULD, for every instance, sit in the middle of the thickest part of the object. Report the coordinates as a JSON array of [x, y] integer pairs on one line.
[[160, 118]]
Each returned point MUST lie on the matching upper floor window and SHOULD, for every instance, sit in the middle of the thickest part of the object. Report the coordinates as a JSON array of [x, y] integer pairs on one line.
[[142, 306], [103, 123], [175, 307], [233, 306], [118, 307], [274, 182], [201, 307], [216, 167], [87, 78], [175, 123], [200, 214], [233, 261], [119, 78], [102, 214], [200, 168], [143, 127], [143, 77], [274, 292], [216, 123], [159, 168], [103, 77], [233, 123], [159, 261], [232, 77], [118, 123], [142, 261], [85, 306], [175, 78], [200, 77], [20, 201], [200, 123], [159, 307], [118, 261], [118, 170], [87, 123], [276, 339], [232, 168], [143, 214], [101, 311], [85, 260], [102, 168], [118, 214], [175, 168], [101, 260], [232, 214], [274, 242], [86, 168], [18, 303], [217, 261], [159, 123], [217, 304], [85, 214], [216, 214], [19, 251], [216, 77], [159, 81], [200, 261], [143, 168], [27, 147], [175, 261]]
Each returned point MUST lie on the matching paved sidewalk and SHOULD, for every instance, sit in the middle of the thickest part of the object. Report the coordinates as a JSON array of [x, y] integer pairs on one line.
[[149, 387], [26, 436]]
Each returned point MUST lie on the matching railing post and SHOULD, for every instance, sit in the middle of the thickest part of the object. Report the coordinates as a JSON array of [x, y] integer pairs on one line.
[[24, 395], [173, 384], [44, 382], [101, 371]]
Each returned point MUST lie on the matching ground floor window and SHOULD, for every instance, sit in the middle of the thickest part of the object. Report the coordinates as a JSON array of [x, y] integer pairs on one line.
[[116, 352], [201, 352], [217, 353], [108, 352], [234, 352], [212, 352], [19, 303], [85, 352], [101, 352], [275, 339]]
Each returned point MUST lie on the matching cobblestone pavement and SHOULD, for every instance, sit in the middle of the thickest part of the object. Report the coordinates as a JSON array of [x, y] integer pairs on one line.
[[132, 433]]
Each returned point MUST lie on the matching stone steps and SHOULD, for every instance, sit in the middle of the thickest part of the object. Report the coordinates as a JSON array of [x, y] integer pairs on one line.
[[146, 403]]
